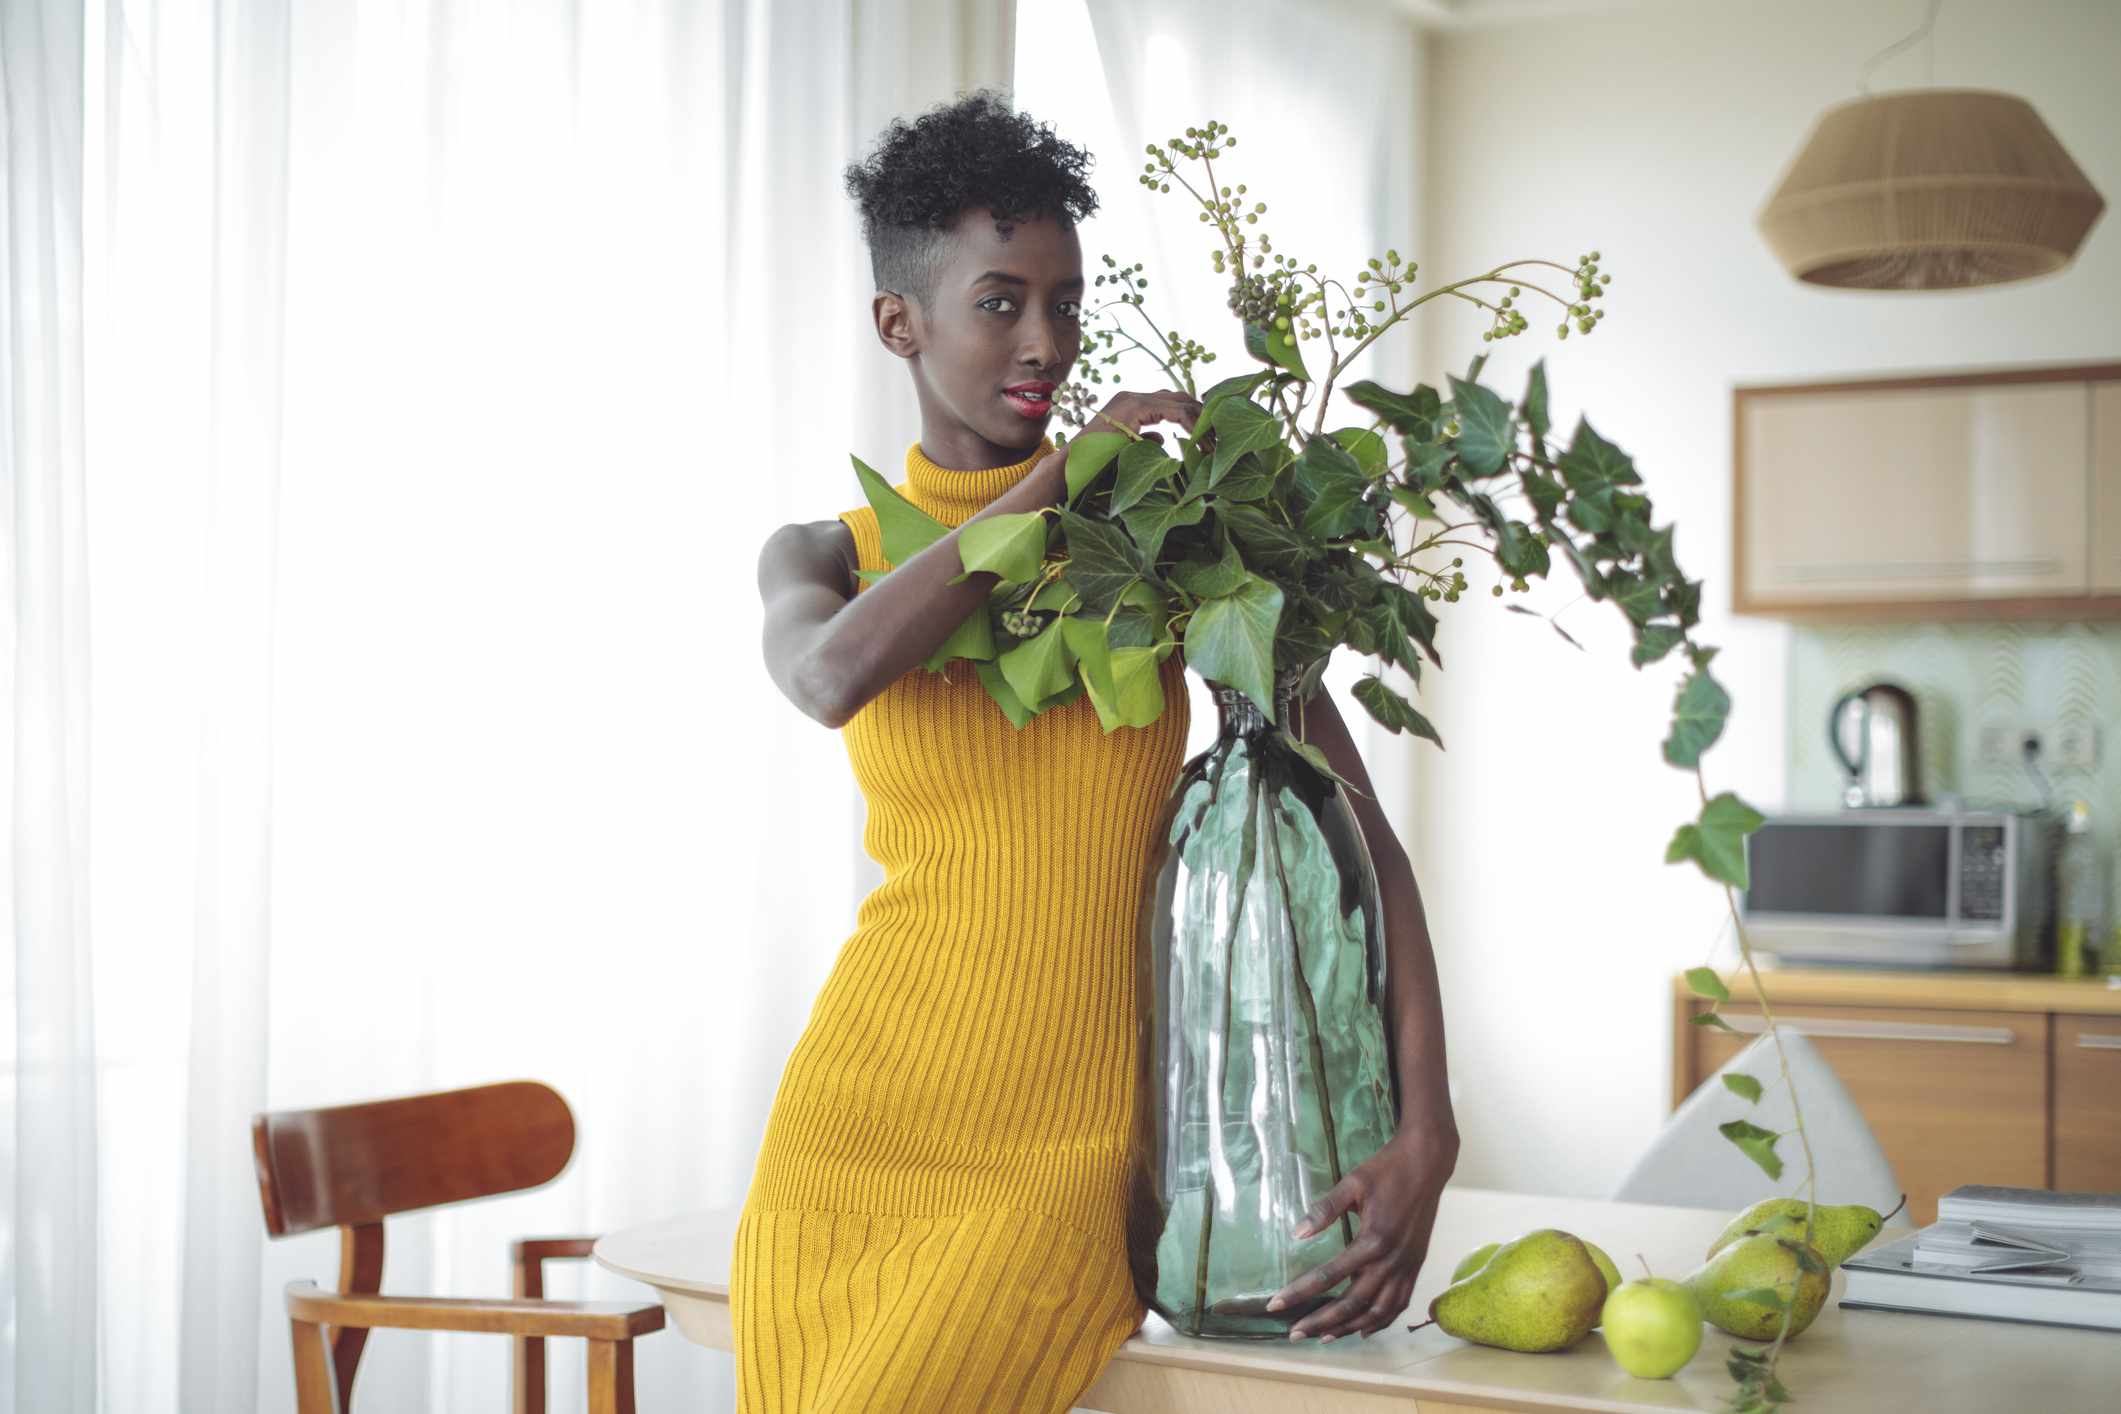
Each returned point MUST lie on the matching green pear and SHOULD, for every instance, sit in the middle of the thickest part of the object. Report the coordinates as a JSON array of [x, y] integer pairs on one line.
[[1838, 1232], [1474, 1261], [1730, 1286], [1540, 1292], [1606, 1269]]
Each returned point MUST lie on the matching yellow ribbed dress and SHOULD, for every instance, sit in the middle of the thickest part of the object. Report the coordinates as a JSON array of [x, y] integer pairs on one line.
[[937, 1218]]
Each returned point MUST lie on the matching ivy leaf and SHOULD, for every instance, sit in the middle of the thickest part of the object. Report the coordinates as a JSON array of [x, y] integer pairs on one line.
[[1240, 427], [1567, 638], [1332, 484], [1010, 546], [1139, 690], [1038, 668], [1428, 465], [1518, 553], [1141, 465], [973, 639], [1230, 640], [1485, 436], [1697, 719], [1269, 545], [1703, 982], [1755, 1143], [1542, 490], [1711, 1020], [1249, 480], [1089, 455], [1206, 581], [1367, 446], [1156, 516], [1653, 642], [1535, 400], [1802, 1251], [1717, 840], [1102, 562], [1392, 711], [1059, 597], [1743, 1086], [1240, 386], [1140, 619], [1276, 346], [1591, 462], [1413, 414], [1004, 695], [1415, 502], [907, 529], [1760, 1296]]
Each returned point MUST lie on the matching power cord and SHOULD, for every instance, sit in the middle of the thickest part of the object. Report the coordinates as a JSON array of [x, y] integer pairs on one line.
[[2030, 749]]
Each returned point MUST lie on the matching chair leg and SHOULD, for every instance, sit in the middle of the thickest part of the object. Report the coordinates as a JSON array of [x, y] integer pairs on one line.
[[528, 1379], [315, 1390], [611, 1377]]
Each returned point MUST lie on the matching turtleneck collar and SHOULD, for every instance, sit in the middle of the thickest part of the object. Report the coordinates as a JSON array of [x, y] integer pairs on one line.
[[954, 497]]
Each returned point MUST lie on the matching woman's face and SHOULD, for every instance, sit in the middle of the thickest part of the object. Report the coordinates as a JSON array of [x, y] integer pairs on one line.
[[1007, 314]]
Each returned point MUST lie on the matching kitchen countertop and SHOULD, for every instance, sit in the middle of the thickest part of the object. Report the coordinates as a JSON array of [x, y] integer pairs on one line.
[[1939, 990]]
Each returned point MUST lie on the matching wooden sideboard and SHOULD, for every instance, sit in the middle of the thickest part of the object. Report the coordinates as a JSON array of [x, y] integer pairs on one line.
[[1965, 1078]]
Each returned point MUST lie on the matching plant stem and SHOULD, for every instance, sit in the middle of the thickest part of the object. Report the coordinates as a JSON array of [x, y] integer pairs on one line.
[[1310, 1007], [1811, 1167], [1247, 851]]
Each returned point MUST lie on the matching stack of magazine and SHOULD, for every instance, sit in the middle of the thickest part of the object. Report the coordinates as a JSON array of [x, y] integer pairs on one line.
[[2003, 1254]]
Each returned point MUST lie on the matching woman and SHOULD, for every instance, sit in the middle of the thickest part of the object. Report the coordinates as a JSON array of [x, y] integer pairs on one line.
[[936, 1221]]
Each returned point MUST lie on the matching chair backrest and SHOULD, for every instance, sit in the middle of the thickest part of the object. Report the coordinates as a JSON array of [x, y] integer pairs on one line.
[[352, 1165], [1691, 1165]]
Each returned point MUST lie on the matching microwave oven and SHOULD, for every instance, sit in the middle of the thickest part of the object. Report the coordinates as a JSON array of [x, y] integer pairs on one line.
[[1904, 887]]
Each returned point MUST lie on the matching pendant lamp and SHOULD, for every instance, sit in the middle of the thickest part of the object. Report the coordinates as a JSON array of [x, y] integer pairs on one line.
[[1929, 189]]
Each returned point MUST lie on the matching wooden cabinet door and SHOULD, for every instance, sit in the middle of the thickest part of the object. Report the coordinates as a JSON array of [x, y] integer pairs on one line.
[[2106, 488], [1909, 495], [1953, 1096], [2088, 1104]]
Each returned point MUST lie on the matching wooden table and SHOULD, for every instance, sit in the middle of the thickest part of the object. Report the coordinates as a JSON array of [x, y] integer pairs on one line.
[[1849, 1360]]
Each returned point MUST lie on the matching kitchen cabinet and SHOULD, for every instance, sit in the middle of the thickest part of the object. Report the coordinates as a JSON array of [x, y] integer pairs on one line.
[[2088, 1103], [1959, 496], [2106, 488], [2007, 1079]]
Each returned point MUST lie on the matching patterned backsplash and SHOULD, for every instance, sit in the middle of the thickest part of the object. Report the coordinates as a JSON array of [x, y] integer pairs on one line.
[[2036, 676]]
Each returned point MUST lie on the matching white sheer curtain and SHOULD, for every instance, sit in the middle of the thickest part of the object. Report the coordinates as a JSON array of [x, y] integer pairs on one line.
[[1324, 100], [48, 1092], [445, 366]]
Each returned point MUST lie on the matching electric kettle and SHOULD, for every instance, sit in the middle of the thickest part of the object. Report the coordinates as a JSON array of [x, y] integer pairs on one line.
[[1872, 731]]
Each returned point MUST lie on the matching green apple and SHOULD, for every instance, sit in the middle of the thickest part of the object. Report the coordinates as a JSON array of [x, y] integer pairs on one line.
[[1652, 1326]]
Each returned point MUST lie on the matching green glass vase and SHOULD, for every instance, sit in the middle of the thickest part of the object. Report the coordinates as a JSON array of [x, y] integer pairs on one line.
[[1264, 1069]]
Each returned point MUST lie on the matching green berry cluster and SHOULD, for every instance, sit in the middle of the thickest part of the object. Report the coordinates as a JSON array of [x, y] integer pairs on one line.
[[1023, 623], [1589, 286]]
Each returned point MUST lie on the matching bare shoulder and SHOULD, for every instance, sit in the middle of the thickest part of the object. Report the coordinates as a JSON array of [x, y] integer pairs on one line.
[[809, 553]]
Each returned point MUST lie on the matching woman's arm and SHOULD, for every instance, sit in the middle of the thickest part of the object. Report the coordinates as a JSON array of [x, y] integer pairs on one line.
[[830, 650], [1412, 999]]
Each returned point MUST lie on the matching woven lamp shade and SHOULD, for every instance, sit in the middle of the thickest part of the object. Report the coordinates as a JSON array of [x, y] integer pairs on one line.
[[1929, 189]]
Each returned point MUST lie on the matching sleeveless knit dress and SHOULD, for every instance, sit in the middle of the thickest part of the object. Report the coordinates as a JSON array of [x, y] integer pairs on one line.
[[937, 1217]]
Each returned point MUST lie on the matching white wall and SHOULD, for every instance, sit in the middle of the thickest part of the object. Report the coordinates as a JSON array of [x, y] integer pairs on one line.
[[1654, 134]]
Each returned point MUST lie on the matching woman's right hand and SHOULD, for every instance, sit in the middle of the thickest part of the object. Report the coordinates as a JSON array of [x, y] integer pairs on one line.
[[1134, 411]]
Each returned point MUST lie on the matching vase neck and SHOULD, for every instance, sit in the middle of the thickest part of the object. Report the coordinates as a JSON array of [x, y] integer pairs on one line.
[[1241, 715]]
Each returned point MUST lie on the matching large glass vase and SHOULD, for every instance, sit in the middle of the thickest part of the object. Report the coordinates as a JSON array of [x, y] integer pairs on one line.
[[1265, 1071]]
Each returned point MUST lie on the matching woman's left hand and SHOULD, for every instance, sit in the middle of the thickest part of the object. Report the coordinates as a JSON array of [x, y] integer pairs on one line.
[[1394, 1194]]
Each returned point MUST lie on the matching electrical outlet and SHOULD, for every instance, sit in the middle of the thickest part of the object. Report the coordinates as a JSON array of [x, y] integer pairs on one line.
[[2077, 746], [1996, 745]]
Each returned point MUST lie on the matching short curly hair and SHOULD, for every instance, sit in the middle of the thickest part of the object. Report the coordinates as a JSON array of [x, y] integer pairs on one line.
[[974, 153]]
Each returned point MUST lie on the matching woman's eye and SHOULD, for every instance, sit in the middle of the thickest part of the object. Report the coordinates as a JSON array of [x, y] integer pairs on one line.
[[1071, 309], [992, 300]]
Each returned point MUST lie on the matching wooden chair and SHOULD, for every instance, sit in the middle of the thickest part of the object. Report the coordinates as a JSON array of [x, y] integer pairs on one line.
[[351, 1166]]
